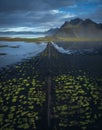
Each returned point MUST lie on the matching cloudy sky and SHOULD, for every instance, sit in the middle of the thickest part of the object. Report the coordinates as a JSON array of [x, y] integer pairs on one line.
[[41, 15]]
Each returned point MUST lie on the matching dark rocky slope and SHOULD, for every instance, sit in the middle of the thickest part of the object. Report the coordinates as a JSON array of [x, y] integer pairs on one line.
[[79, 28]]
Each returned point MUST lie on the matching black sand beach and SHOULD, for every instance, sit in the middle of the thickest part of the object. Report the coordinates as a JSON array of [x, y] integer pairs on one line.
[[52, 91]]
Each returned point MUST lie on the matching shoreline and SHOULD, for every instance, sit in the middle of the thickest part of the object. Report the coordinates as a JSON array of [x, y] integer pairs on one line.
[[48, 39]]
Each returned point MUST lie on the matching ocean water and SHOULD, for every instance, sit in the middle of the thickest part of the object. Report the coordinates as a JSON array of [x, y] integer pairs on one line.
[[12, 52], [22, 35]]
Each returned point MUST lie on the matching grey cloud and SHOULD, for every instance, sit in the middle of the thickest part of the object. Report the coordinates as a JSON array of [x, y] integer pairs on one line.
[[10, 5], [33, 13], [30, 18], [28, 12], [38, 5], [95, 16]]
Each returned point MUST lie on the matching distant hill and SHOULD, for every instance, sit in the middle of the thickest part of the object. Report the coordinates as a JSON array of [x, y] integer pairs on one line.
[[47, 33], [79, 28], [51, 31]]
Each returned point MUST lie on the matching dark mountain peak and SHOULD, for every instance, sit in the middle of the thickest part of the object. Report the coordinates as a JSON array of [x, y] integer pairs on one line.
[[76, 21], [80, 28], [72, 22], [65, 24], [88, 21]]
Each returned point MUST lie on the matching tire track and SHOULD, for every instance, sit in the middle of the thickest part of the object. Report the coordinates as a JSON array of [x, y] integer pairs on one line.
[[49, 88]]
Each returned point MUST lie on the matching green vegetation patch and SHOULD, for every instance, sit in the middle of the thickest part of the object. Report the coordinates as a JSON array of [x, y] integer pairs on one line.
[[77, 102]]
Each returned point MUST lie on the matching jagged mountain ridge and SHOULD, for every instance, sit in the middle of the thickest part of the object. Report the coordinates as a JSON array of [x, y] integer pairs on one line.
[[79, 28]]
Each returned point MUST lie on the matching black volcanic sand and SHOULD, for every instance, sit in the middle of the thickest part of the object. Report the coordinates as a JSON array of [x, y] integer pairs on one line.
[[52, 91], [81, 45]]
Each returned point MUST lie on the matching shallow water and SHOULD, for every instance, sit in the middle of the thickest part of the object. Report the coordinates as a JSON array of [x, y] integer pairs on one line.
[[14, 52], [22, 35]]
